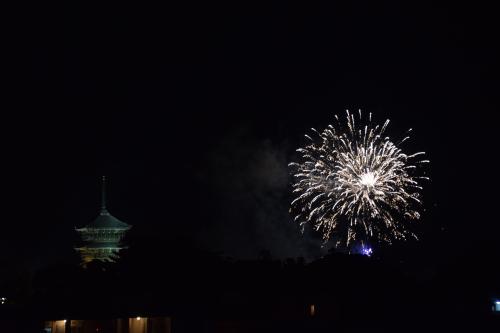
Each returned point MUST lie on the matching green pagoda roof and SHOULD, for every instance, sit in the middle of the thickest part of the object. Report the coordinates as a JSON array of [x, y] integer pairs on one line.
[[105, 245], [107, 221]]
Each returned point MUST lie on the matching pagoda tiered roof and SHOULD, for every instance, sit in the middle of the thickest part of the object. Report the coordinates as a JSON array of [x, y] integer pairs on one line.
[[107, 221], [101, 239]]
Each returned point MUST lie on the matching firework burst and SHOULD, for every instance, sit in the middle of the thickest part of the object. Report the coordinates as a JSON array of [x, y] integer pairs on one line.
[[354, 184]]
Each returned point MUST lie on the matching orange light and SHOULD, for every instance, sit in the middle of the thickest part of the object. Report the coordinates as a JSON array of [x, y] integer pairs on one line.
[[312, 310]]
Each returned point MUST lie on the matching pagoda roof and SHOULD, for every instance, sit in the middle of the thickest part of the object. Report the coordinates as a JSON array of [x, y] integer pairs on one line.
[[107, 221], [104, 245]]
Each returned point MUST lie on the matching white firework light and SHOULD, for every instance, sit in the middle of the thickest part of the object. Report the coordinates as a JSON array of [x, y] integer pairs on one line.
[[354, 184]]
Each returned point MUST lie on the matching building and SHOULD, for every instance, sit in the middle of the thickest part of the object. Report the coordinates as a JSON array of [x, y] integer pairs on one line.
[[122, 325], [102, 238]]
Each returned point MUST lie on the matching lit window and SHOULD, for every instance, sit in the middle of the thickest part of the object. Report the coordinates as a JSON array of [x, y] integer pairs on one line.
[[312, 310], [497, 306]]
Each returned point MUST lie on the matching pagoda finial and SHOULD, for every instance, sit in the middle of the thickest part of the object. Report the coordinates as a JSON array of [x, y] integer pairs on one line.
[[103, 195]]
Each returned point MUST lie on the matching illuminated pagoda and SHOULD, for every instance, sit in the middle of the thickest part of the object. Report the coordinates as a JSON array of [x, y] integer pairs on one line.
[[102, 238]]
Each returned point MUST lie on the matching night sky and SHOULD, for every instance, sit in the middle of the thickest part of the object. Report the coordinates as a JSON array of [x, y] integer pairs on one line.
[[193, 111]]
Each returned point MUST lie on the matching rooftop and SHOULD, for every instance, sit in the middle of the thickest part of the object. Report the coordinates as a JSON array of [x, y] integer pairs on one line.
[[105, 220]]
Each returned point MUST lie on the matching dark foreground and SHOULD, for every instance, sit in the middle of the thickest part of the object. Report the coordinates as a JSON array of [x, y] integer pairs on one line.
[[208, 293]]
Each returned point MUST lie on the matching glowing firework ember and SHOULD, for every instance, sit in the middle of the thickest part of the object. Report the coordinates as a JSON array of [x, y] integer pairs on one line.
[[366, 251], [355, 184]]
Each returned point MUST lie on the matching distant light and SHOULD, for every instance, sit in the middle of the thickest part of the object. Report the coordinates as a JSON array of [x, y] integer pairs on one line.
[[312, 310], [138, 318], [65, 321], [3, 300], [366, 251], [497, 302]]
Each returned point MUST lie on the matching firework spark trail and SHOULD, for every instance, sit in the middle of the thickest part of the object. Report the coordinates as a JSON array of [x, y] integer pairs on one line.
[[356, 184]]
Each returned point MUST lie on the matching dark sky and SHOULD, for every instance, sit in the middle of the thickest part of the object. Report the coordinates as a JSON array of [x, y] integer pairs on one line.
[[195, 110]]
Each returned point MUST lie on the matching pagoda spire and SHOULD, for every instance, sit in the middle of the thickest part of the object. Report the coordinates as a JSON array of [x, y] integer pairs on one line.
[[104, 210]]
